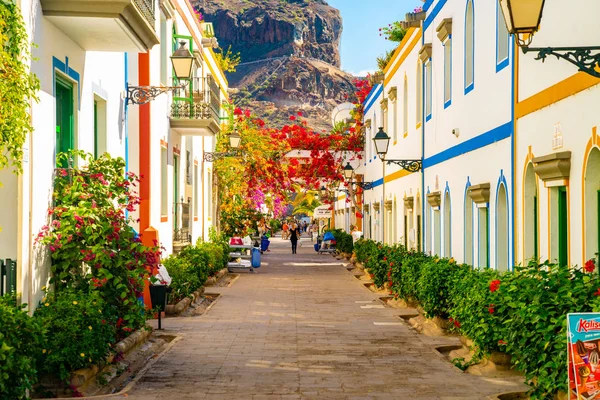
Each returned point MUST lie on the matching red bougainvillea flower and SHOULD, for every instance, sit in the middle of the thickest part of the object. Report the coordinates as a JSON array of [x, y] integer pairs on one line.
[[597, 292], [359, 215], [237, 111], [456, 323], [494, 285], [502, 342], [299, 113], [491, 309], [590, 265], [292, 118], [384, 258]]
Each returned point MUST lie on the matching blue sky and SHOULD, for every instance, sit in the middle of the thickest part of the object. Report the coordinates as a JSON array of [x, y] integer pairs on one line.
[[361, 43]]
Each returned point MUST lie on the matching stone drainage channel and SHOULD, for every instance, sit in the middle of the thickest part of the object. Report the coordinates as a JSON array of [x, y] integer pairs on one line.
[[449, 347]]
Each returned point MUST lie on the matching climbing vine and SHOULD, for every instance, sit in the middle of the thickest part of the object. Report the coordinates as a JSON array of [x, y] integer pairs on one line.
[[17, 86]]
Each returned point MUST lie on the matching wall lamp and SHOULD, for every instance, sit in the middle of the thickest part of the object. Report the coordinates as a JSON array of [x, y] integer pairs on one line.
[[523, 17], [349, 174], [382, 142], [182, 61], [234, 142]]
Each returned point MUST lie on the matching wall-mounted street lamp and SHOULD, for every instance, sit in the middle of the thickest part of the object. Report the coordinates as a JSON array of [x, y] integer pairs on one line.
[[182, 61], [523, 17], [324, 191], [349, 174], [234, 142], [382, 142]]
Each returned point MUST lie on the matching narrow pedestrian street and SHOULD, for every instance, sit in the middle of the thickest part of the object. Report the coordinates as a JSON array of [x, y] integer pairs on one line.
[[302, 328]]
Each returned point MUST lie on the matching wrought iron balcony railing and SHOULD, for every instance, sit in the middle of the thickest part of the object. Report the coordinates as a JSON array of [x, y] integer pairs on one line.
[[198, 100]]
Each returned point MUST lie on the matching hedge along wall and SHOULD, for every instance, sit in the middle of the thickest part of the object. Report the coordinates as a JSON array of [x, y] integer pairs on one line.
[[522, 313]]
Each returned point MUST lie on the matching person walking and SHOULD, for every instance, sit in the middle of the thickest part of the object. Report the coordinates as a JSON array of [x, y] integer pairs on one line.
[[294, 237], [286, 231]]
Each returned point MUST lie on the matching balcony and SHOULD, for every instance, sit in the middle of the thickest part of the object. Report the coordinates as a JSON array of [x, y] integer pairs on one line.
[[100, 25], [195, 110]]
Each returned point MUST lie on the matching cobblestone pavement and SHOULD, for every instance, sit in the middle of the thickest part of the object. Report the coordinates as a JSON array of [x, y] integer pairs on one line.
[[302, 328]]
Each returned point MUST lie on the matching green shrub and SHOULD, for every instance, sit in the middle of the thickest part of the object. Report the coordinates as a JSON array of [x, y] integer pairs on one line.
[[79, 330], [522, 313], [185, 278], [343, 240], [20, 338]]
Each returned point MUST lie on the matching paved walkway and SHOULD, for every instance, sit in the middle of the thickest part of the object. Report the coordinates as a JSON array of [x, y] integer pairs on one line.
[[302, 328]]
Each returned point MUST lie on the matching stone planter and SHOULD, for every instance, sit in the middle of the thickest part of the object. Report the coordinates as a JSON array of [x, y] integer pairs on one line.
[[176, 309], [214, 279], [441, 323], [359, 266], [80, 378]]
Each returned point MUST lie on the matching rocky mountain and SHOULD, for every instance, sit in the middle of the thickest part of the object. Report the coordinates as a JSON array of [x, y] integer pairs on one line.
[[290, 56]]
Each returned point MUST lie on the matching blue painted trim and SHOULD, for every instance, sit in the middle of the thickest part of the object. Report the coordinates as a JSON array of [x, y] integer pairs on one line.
[[431, 16], [375, 92], [503, 64], [500, 64], [447, 104], [427, 118], [495, 135], [469, 86], [447, 252], [427, 5], [68, 71], [502, 181], [423, 171]]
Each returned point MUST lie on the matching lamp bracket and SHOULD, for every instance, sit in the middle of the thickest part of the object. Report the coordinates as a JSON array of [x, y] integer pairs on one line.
[[581, 57], [408, 165], [364, 185], [210, 156], [145, 94]]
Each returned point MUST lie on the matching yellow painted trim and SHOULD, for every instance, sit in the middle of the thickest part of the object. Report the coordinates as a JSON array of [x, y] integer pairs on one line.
[[342, 197], [405, 134], [399, 49], [395, 143], [594, 142], [418, 126], [396, 175], [553, 94], [410, 47]]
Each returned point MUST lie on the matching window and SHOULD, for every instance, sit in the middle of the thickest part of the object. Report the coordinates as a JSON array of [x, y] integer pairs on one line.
[[99, 127], [502, 229], [448, 72], [384, 117], [468, 230], [196, 191], [428, 89], [592, 204], [164, 191], [563, 227], [484, 237], [175, 191], [437, 232], [65, 128], [447, 226], [395, 118], [405, 108], [164, 56], [469, 47], [419, 92], [530, 228], [209, 193], [502, 38]]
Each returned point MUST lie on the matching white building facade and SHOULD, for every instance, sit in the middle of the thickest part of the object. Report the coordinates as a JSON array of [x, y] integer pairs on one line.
[[85, 57]]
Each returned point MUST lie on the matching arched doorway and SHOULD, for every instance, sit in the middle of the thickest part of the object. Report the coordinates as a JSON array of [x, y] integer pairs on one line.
[[530, 213], [592, 204], [502, 229], [447, 225]]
